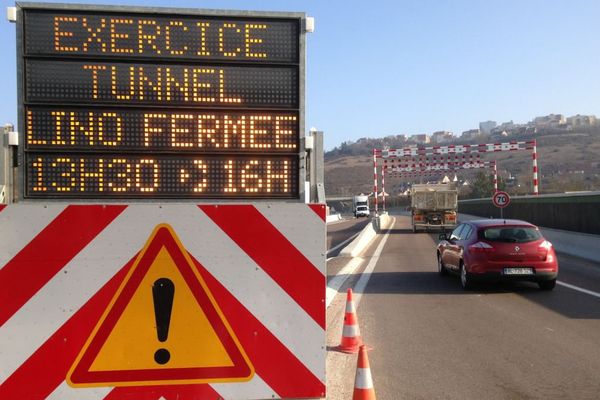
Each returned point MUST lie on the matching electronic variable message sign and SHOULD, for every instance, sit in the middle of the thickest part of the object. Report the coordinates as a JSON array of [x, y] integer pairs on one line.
[[120, 103]]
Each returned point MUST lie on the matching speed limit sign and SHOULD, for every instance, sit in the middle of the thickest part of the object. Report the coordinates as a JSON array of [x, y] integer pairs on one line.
[[501, 199]]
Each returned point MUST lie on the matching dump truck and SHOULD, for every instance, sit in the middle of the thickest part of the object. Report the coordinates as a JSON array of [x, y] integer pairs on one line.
[[434, 206], [360, 206]]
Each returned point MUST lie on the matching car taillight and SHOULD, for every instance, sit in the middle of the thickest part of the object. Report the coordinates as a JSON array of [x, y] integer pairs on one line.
[[481, 247], [418, 217], [544, 248], [450, 217]]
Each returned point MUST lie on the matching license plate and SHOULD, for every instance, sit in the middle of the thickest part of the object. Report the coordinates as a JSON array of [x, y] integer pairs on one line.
[[518, 271]]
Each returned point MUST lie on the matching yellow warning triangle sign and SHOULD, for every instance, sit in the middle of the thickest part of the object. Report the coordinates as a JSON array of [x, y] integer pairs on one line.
[[163, 326]]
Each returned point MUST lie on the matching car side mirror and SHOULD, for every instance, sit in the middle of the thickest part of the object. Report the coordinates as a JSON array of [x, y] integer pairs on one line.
[[443, 236]]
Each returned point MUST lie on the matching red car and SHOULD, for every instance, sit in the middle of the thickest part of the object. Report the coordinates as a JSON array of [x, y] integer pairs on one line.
[[498, 250]]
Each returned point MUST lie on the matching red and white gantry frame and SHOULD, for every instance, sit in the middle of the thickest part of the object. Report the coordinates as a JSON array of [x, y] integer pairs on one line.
[[406, 156]]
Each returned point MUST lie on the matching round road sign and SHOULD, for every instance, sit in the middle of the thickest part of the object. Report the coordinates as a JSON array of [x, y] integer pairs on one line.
[[501, 199]]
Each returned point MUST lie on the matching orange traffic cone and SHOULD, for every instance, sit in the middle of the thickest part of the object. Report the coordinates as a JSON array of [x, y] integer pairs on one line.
[[351, 339], [363, 383]]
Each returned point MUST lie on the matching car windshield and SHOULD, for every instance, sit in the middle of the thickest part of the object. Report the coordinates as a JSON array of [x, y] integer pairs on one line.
[[511, 234]]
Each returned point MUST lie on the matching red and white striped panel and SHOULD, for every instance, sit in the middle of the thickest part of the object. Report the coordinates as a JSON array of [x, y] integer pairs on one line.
[[426, 167], [456, 149], [60, 265]]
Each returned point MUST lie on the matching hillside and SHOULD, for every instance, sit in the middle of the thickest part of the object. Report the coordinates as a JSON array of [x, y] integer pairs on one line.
[[567, 161]]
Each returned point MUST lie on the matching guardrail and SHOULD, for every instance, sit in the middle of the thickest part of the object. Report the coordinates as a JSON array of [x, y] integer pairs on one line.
[[577, 212]]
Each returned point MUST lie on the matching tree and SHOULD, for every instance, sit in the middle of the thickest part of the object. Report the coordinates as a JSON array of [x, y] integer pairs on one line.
[[483, 185]]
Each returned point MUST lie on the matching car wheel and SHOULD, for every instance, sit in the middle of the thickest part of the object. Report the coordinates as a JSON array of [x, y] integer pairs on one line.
[[441, 268], [465, 280], [547, 285]]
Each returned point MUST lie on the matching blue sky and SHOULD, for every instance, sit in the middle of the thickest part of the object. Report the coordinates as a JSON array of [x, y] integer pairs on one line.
[[377, 68]]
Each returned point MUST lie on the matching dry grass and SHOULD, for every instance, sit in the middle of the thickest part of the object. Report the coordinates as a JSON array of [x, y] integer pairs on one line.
[[561, 157]]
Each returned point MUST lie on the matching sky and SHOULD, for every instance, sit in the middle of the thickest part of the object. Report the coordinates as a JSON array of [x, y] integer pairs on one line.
[[379, 68]]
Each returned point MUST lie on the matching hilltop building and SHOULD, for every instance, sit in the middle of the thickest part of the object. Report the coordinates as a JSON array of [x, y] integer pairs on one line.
[[471, 134], [421, 139], [549, 121], [582, 120], [442, 136], [486, 127]]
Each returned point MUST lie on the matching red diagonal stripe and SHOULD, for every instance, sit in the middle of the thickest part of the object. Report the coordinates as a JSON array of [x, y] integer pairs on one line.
[[285, 264], [49, 252], [273, 362], [170, 392], [319, 209], [2, 207], [47, 368]]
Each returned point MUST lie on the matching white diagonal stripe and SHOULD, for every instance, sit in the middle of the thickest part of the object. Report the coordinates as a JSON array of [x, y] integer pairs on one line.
[[20, 224], [73, 286], [66, 392], [302, 227], [256, 388], [251, 285], [253, 389], [87, 272]]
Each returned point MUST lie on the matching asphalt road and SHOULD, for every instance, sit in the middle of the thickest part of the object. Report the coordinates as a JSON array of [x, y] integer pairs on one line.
[[340, 231], [432, 340]]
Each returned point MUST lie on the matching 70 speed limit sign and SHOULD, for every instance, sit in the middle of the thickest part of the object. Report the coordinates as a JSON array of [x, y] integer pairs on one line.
[[501, 199]]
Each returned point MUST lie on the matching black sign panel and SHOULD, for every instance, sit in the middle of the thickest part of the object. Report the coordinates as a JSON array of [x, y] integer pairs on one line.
[[110, 176], [121, 35], [69, 128], [154, 84], [131, 103]]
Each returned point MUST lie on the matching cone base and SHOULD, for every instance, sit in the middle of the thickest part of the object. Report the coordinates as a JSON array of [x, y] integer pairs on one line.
[[363, 394], [347, 349]]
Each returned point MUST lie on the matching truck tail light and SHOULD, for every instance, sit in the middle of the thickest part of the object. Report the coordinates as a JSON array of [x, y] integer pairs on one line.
[[418, 217]]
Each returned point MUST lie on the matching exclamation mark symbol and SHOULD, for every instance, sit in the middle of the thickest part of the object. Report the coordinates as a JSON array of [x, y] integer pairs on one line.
[[163, 291]]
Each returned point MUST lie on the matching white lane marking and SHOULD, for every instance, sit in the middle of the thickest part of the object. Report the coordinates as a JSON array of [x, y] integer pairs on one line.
[[360, 286], [338, 280], [337, 222], [343, 243], [582, 290]]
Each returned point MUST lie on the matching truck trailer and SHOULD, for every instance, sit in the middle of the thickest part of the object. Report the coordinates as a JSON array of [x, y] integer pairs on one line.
[[434, 206]]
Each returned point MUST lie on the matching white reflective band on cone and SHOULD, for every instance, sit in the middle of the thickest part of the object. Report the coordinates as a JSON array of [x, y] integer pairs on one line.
[[363, 379], [351, 331], [350, 307]]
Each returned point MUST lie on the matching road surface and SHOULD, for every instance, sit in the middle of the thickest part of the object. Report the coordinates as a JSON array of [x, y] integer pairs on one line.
[[432, 340]]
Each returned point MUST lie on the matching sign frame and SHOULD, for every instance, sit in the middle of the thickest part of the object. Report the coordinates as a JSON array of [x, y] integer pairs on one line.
[[23, 7]]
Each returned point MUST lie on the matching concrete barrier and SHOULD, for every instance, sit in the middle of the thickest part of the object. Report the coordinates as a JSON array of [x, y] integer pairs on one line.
[[576, 244], [365, 236], [333, 218]]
